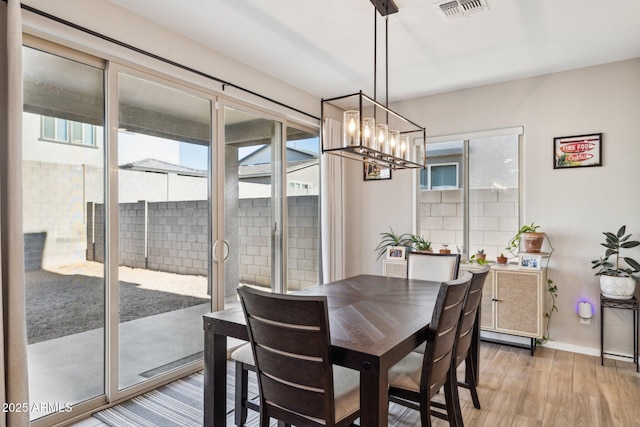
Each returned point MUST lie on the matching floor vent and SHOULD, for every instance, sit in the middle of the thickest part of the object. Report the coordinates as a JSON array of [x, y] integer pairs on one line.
[[455, 9]]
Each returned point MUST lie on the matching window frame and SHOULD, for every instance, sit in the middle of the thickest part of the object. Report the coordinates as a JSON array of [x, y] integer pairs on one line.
[[70, 138], [517, 131], [429, 171]]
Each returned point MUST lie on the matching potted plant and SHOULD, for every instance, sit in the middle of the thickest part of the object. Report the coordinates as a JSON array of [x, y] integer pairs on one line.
[[532, 239], [445, 249], [391, 239], [475, 259], [481, 255], [502, 259], [617, 280], [420, 243]]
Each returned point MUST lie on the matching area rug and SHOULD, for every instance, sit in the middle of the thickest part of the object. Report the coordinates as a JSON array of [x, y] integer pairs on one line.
[[177, 404], [59, 304]]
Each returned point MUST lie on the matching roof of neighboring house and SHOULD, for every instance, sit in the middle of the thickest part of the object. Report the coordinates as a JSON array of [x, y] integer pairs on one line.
[[311, 154], [158, 166], [264, 169]]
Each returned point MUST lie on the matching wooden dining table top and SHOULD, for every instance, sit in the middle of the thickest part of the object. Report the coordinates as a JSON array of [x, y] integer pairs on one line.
[[374, 322]]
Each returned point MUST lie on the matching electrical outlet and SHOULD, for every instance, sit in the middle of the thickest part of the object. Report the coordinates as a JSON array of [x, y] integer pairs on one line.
[[585, 321]]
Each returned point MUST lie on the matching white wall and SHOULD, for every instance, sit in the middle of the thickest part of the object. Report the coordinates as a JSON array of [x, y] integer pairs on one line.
[[572, 205]]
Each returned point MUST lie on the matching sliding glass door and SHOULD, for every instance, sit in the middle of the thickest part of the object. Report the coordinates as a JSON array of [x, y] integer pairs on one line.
[[302, 185], [63, 188], [252, 202], [164, 227], [124, 215]]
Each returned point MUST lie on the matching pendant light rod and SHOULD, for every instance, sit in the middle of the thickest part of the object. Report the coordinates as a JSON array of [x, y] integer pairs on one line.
[[386, 59], [375, 56]]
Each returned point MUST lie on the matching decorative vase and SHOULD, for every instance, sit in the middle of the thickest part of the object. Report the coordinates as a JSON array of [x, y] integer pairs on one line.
[[532, 242], [617, 287]]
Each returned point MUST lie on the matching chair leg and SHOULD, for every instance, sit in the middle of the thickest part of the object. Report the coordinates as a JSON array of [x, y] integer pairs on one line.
[[425, 414], [241, 394], [471, 375], [452, 400]]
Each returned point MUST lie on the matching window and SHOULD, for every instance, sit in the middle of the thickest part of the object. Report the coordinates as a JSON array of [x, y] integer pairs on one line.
[[469, 191], [67, 131], [439, 177]]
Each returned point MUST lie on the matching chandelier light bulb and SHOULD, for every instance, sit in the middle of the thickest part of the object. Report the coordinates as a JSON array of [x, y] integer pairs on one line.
[[382, 131], [394, 138], [368, 132], [351, 128], [404, 148]]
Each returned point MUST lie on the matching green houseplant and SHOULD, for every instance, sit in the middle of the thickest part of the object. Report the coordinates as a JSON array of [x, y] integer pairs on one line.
[[531, 238], [420, 243], [617, 280], [390, 238]]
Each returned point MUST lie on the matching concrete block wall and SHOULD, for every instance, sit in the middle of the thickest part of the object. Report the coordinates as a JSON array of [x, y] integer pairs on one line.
[[255, 241], [493, 217], [173, 235], [178, 241], [54, 200], [303, 243]]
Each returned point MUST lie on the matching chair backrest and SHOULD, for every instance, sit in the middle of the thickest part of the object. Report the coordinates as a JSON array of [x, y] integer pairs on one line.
[[468, 316], [437, 267], [442, 334], [291, 346]]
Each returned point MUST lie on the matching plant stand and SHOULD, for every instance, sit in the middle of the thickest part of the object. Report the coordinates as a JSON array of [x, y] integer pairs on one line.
[[626, 304]]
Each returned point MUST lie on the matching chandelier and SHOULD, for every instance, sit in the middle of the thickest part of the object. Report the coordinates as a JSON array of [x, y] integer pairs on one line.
[[371, 131]]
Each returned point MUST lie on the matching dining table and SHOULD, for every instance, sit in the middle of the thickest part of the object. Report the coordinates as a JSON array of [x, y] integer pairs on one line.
[[374, 321]]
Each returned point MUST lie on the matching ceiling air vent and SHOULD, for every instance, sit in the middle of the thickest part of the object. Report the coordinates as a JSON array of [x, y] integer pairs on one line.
[[454, 9]]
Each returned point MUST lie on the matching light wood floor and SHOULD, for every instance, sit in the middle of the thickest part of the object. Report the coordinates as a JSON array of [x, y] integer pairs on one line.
[[553, 388]]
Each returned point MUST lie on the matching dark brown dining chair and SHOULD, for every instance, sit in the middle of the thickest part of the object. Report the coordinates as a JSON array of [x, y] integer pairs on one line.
[[416, 379], [463, 345], [429, 266], [291, 346]]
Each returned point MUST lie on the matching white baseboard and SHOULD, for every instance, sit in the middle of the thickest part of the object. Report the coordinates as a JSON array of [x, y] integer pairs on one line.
[[556, 345]]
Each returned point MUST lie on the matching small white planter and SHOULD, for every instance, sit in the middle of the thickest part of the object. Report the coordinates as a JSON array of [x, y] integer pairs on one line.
[[617, 287]]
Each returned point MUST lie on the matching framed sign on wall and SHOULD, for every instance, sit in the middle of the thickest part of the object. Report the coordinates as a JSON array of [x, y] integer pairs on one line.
[[577, 151]]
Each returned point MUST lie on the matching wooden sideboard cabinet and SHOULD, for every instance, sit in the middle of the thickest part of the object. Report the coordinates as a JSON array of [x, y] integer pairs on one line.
[[514, 301], [394, 268]]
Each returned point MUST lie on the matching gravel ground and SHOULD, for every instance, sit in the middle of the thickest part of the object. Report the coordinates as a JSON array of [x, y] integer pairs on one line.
[[70, 299]]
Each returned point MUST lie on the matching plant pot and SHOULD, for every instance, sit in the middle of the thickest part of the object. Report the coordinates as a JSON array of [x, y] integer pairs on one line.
[[502, 260], [617, 287], [532, 242], [481, 256], [445, 251]]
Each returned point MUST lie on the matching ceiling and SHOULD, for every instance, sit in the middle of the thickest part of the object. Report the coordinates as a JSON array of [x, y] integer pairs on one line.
[[325, 47]]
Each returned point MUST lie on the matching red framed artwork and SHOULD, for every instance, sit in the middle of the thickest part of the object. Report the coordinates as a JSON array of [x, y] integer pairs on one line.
[[577, 151]]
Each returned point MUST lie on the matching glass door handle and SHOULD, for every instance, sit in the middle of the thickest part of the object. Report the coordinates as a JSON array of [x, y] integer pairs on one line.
[[225, 256]]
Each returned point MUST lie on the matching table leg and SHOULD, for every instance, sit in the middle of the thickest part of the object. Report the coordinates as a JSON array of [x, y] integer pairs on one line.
[[215, 379], [374, 398]]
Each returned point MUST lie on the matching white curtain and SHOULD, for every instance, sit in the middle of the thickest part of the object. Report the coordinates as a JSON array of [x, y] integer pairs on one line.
[[332, 206], [15, 385]]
